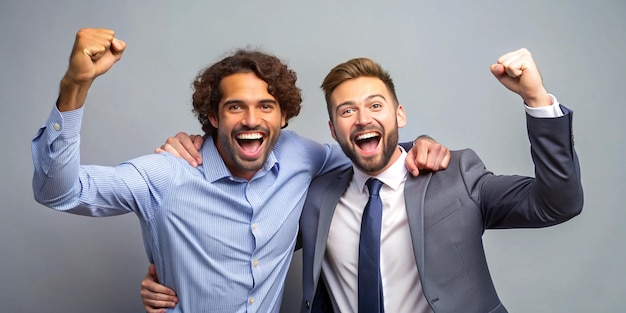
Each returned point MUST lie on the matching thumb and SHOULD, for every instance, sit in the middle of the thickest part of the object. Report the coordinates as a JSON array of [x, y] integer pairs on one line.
[[117, 46], [197, 141], [497, 70], [152, 271]]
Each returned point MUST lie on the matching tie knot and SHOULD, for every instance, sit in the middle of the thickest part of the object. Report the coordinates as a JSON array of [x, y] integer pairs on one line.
[[374, 185]]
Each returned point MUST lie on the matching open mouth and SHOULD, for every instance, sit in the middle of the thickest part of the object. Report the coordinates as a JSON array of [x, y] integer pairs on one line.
[[367, 142], [250, 143]]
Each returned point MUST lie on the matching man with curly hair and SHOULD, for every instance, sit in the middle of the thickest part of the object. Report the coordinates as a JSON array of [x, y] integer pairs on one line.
[[221, 234]]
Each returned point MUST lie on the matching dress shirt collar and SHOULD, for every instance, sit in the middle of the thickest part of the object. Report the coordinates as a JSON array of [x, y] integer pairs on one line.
[[215, 169], [392, 177]]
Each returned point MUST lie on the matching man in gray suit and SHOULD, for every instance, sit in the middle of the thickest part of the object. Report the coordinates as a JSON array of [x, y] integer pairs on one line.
[[439, 216]]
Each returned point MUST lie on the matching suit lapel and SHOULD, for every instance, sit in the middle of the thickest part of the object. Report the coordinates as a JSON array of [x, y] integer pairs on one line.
[[414, 194], [330, 198]]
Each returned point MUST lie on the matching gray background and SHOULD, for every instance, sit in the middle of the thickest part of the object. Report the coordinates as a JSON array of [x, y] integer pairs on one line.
[[439, 54]]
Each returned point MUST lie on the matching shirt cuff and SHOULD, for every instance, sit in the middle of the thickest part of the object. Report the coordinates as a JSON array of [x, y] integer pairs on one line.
[[68, 123], [549, 111]]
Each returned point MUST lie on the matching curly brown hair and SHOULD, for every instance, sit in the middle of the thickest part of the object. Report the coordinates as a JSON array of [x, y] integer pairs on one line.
[[280, 79]]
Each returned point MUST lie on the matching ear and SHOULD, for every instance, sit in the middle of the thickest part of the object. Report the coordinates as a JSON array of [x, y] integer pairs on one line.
[[213, 119], [401, 116], [283, 119], [332, 130]]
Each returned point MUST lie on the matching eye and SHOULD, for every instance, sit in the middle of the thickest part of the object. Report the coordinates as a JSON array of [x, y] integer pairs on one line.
[[376, 106], [235, 107], [347, 111]]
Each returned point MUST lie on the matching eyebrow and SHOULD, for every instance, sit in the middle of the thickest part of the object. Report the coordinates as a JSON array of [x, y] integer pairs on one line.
[[237, 101], [370, 97]]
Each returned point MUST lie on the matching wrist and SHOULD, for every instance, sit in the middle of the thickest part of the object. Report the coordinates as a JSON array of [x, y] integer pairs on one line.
[[72, 94], [541, 100]]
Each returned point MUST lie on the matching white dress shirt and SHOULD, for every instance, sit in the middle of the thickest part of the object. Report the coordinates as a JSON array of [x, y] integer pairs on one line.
[[401, 285]]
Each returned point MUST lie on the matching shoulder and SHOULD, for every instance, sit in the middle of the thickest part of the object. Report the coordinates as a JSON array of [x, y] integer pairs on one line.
[[332, 176], [159, 165], [290, 145], [460, 158], [290, 140], [464, 164]]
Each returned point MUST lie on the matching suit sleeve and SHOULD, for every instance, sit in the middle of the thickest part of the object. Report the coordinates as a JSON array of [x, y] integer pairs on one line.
[[555, 194]]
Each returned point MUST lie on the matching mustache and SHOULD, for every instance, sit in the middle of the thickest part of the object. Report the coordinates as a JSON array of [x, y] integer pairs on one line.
[[259, 128]]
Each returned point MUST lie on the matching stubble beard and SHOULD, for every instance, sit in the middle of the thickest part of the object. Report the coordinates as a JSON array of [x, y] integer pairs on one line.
[[375, 163], [230, 146]]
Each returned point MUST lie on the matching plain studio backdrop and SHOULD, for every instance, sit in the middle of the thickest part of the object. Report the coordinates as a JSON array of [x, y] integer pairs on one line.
[[438, 52]]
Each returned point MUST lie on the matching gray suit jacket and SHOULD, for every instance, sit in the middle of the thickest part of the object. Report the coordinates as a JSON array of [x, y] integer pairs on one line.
[[448, 211]]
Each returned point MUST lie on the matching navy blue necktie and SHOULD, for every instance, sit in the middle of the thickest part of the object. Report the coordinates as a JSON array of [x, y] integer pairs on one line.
[[370, 284]]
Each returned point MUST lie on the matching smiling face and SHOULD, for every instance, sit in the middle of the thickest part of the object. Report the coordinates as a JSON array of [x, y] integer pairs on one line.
[[365, 121], [248, 123]]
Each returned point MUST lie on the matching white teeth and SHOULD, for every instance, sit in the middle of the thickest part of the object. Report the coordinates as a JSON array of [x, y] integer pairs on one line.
[[249, 136], [366, 136]]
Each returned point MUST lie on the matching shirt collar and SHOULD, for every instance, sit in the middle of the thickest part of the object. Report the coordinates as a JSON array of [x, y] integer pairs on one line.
[[392, 177], [215, 169]]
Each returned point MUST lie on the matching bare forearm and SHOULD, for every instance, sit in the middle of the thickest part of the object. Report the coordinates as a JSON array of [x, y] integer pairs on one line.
[[72, 95]]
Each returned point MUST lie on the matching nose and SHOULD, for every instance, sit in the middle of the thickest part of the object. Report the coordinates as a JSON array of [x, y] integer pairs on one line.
[[363, 117], [251, 119]]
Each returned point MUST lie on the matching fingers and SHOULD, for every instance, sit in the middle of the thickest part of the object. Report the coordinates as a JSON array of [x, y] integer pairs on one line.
[[152, 272], [518, 72], [150, 309], [94, 42], [94, 53], [438, 158], [155, 291], [427, 154], [97, 43], [434, 157], [118, 46], [497, 70], [154, 296], [153, 305], [516, 62], [198, 141], [184, 146], [191, 145], [411, 163], [156, 302]]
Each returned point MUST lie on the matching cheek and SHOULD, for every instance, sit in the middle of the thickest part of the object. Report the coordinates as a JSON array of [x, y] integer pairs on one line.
[[342, 129], [276, 120], [228, 122], [389, 122]]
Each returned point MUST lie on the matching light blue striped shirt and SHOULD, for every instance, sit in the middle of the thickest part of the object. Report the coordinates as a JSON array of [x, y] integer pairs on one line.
[[223, 243]]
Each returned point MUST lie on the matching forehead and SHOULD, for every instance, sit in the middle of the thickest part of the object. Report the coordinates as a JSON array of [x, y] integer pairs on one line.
[[359, 89], [244, 86]]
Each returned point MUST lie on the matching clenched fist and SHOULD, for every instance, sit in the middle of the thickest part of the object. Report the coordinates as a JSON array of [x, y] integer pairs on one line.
[[518, 72], [94, 53]]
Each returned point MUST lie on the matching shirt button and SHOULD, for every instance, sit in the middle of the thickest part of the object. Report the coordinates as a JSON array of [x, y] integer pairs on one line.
[[255, 263], [56, 126], [254, 226], [307, 304], [251, 300]]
